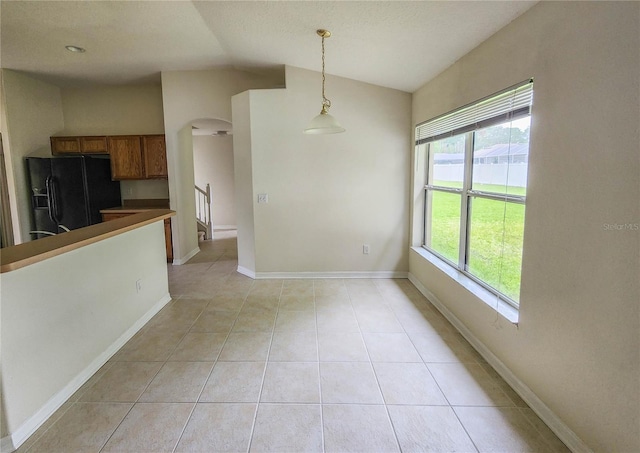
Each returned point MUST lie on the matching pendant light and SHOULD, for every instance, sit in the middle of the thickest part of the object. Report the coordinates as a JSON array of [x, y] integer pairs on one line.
[[324, 123]]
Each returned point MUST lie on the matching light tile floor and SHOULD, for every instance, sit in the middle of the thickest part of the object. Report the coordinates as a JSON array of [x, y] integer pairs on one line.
[[237, 365]]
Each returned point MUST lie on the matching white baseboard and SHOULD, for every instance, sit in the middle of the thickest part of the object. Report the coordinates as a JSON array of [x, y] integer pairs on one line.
[[13, 441], [225, 227], [309, 275], [187, 257], [564, 433], [244, 271]]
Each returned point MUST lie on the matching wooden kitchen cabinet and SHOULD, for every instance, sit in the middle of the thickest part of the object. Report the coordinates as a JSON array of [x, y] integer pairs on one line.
[[167, 240], [138, 157], [154, 151], [126, 157], [79, 145], [65, 145], [93, 145], [132, 156], [167, 230]]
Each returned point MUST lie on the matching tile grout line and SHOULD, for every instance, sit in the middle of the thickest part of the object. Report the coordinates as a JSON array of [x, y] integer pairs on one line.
[[154, 376], [436, 382], [264, 372], [204, 384], [386, 409], [315, 313], [535, 428]]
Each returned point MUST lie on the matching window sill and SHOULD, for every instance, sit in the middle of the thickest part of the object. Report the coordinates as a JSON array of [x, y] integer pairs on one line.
[[507, 311]]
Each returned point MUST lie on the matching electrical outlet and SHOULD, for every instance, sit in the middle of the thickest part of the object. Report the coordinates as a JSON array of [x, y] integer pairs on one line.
[[365, 249], [138, 285], [263, 198]]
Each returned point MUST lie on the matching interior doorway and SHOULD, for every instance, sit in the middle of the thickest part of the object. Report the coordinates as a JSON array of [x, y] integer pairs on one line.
[[214, 174]]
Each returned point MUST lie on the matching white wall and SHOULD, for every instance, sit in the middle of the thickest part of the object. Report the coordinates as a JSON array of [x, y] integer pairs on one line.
[[213, 164], [117, 110], [243, 178], [184, 226], [33, 112], [576, 345], [330, 194], [187, 96], [57, 333]]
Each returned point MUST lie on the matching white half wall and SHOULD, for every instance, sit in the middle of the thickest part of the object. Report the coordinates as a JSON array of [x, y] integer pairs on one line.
[[576, 344], [328, 195], [84, 307], [213, 164]]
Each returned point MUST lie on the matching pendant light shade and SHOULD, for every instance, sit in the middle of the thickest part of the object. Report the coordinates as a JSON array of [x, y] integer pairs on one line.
[[324, 123]]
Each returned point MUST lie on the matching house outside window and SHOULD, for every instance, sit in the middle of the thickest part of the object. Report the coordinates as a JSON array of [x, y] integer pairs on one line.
[[476, 184]]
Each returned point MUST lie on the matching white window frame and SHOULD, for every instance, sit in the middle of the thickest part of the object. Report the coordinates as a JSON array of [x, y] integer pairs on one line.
[[464, 121]]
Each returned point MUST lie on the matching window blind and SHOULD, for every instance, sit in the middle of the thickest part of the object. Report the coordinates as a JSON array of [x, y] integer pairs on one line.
[[512, 103]]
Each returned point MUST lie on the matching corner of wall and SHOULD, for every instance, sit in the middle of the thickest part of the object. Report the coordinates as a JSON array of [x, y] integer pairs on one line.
[[243, 179], [27, 101]]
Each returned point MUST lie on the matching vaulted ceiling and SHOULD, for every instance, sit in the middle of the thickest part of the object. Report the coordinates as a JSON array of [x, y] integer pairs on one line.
[[397, 44]]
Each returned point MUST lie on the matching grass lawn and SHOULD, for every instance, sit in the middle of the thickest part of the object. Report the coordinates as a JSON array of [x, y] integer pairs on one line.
[[495, 253]]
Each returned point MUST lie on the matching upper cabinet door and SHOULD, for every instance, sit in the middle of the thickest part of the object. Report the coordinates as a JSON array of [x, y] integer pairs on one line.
[[126, 157], [155, 156], [94, 145], [65, 145], [79, 145]]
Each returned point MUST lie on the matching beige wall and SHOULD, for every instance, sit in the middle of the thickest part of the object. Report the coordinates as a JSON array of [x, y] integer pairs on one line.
[[33, 112], [113, 110], [576, 345], [187, 96], [117, 110], [243, 178], [213, 164], [330, 194], [57, 333], [184, 227], [12, 209]]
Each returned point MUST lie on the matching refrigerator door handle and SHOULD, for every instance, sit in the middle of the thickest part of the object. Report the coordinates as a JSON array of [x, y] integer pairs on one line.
[[55, 207], [50, 202]]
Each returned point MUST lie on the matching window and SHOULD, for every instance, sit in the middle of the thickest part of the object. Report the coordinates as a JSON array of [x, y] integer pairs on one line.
[[476, 184]]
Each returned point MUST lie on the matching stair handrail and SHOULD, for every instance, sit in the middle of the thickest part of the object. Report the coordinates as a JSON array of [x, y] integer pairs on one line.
[[203, 199]]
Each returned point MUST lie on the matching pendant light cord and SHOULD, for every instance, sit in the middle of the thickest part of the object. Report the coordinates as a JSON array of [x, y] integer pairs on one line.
[[326, 103]]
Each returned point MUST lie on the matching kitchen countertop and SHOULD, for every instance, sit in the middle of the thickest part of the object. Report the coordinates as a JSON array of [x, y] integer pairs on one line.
[[22, 255], [135, 206]]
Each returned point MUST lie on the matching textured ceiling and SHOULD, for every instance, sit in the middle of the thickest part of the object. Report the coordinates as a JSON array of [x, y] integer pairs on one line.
[[396, 44]]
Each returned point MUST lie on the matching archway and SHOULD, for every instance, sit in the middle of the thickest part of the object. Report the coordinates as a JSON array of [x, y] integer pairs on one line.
[[213, 174]]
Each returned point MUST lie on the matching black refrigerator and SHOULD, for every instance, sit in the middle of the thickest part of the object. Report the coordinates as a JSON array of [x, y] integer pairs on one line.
[[69, 192]]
